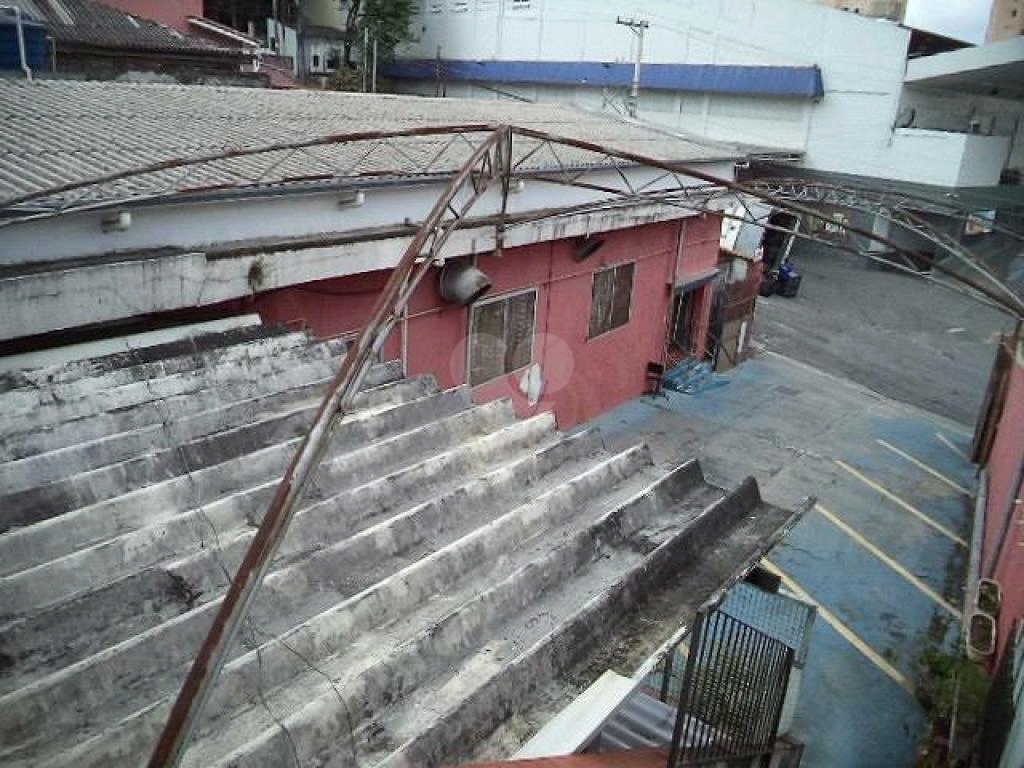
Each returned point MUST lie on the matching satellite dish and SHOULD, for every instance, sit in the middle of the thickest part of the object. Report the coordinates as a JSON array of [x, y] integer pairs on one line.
[[905, 117]]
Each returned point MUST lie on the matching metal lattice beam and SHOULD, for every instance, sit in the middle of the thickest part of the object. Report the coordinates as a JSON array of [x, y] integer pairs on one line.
[[681, 185], [470, 183]]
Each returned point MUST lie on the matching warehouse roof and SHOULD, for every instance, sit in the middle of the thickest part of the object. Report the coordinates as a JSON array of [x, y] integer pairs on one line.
[[84, 22], [59, 132]]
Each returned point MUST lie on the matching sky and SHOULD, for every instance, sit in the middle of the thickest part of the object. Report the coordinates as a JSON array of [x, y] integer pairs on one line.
[[962, 19]]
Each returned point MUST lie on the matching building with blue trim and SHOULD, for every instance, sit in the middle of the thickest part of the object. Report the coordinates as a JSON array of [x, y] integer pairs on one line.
[[836, 89]]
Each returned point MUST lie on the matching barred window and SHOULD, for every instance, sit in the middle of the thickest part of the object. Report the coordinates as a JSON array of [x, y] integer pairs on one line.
[[611, 298], [501, 336]]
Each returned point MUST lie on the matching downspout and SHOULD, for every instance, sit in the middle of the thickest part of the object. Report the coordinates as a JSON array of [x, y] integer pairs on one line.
[[21, 39]]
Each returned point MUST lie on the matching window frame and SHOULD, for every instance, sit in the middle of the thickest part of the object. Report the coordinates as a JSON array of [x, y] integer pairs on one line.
[[471, 323], [629, 313]]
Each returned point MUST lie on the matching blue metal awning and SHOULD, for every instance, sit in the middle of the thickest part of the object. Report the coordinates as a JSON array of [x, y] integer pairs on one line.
[[793, 82]]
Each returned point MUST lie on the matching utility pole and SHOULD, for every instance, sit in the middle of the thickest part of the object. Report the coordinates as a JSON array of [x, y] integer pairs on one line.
[[637, 27], [373, 80], [366, 55]]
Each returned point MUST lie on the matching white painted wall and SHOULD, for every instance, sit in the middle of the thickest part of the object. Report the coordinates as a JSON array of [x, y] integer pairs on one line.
[[983, 159], [850, 131], [968, 160], [318, 51], [963, 112], [746, 119]]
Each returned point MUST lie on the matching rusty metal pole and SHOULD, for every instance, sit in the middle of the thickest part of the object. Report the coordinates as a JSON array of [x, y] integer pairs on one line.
[[198, 686], [1004, 296]]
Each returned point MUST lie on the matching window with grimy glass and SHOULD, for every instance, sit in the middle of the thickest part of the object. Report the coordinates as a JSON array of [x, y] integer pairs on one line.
[[501, 336], [611, 298]]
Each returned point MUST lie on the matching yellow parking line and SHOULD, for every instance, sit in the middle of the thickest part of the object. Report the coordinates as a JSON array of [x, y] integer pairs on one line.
[[901, 503], [895, 566], [949, 444], [921, 465], [844, 631]]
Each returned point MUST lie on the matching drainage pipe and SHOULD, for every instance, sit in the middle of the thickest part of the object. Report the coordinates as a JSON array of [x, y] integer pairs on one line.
[[21, 39]]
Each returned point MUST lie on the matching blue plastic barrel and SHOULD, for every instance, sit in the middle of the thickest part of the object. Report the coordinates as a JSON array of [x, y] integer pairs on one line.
[[36, 46]]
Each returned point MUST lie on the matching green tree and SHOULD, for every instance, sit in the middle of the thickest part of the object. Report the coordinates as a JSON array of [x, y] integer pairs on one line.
[[386, 21]]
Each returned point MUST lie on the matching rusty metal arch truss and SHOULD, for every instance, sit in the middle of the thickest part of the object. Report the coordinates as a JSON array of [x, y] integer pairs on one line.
[[472, 158]]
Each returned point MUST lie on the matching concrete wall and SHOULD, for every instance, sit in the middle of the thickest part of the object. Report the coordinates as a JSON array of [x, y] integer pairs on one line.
[[324, 13], [66, 272], [848, 131], [173, 13], [851, 130], [934, 109], [116, 288], [582, 377], [284, 41], [942, 158], [749, 119], [1006, 20], [1005, 506]]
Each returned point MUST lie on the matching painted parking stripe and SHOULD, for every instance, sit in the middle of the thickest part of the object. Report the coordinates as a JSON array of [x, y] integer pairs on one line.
[[844, 631], [902, 504], [921, 465], [949, 444], [895, 566]]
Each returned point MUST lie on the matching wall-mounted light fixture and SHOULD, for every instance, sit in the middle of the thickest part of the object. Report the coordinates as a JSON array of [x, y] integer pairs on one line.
[[116, 221], [352, 198]]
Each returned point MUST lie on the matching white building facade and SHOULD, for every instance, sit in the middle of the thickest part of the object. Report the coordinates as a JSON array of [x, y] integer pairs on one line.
[[789, 74]]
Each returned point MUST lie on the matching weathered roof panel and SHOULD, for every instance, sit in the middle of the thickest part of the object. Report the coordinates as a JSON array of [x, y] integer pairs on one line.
[[61, 132], [85, 22]]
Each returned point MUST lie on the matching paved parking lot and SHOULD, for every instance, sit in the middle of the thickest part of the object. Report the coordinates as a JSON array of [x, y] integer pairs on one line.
[[906, 338], [883, 554]]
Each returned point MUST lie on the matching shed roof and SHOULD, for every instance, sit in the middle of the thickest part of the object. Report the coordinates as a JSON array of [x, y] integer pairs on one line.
[[59, 132], [84, 22]]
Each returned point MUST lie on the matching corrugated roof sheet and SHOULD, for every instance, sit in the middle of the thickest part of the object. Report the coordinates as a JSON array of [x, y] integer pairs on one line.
[[86, 22], [59, 132]]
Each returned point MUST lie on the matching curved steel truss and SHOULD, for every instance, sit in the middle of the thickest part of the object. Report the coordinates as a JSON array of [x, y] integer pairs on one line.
[[440, 151]]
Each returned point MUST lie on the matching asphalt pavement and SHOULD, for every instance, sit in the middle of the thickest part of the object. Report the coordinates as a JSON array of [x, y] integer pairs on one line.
[[899, 335], [862, 392]]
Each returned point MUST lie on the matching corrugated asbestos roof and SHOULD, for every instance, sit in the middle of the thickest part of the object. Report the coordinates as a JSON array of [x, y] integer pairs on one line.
[[58, 132], [85, 22]]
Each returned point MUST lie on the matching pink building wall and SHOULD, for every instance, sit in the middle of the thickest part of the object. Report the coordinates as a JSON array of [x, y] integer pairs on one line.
[[583, 377], [172, 13], [1004, 496]]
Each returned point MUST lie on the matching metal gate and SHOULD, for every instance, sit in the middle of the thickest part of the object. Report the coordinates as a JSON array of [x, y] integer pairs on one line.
[[733, 691]]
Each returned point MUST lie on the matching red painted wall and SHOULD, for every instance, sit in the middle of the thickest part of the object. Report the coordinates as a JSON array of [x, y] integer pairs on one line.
[[172, 13], [583, 377], [1003, 490]]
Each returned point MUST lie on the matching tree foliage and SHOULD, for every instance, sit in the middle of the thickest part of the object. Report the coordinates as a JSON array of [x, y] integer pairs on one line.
[[386, 21]]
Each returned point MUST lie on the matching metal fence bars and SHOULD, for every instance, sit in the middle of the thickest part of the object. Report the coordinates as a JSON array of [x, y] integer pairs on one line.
[[732, 695]]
